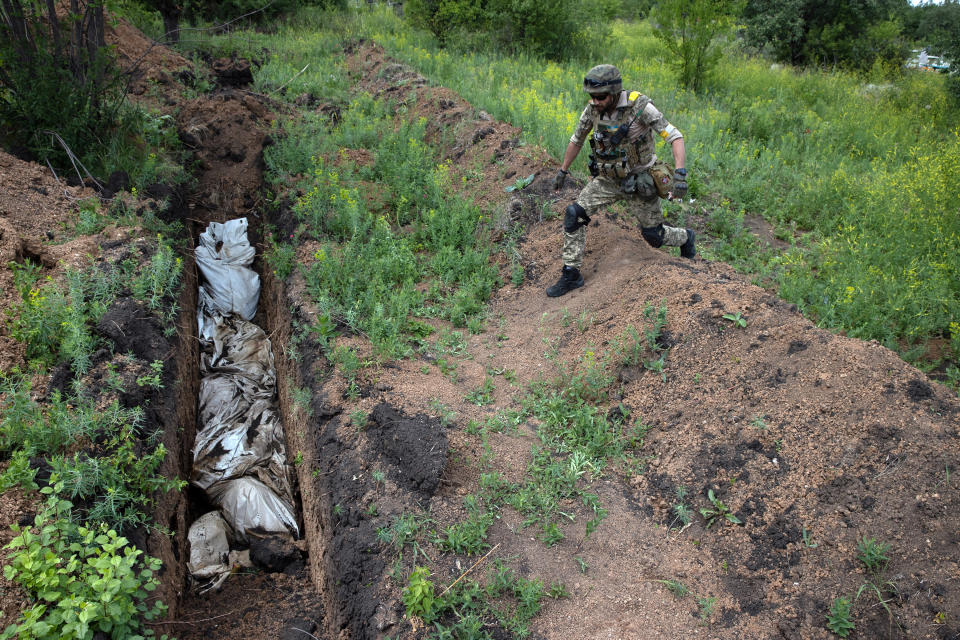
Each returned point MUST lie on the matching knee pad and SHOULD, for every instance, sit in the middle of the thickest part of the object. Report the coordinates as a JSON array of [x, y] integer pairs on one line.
[[572, 216], [654, 235]]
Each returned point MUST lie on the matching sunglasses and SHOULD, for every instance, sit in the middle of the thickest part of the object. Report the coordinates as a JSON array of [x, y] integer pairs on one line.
[[599, 97]]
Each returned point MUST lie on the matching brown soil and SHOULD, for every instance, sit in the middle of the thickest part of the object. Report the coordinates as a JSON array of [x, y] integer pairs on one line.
[[796, 429]]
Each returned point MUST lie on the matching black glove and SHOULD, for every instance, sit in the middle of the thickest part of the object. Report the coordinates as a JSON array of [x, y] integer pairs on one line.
[[559, 179], [679, 184]]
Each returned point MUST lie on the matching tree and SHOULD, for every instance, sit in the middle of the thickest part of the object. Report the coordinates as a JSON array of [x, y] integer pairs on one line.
[[690, 30], [847, 33], [56, 76]]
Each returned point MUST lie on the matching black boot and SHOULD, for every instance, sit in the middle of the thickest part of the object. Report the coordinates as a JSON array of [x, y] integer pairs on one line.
[[569, 280], [688, 249]]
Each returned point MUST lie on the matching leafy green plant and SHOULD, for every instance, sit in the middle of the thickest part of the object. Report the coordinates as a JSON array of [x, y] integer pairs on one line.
[[690, 30], [469, 536], [675, 587], [873, 555], [418, 595], [520, 183], [160, 280], [282, 258], [85, 579], [838, 619], [483, 394], [405, 530], [706, 605], [717, 511], [358, 418], [152, 379], [683, 513], [736, 319]]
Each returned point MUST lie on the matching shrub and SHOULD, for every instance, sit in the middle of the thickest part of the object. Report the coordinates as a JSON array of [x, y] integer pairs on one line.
[[690, 30], [84, 579]]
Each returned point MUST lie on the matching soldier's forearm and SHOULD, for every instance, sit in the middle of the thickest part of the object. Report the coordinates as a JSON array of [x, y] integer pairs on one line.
[[679, 154], [570, 155]]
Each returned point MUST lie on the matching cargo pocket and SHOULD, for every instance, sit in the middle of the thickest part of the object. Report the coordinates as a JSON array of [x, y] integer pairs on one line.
[[662, 176]]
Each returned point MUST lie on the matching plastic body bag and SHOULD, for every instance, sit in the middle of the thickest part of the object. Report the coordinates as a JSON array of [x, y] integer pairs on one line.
[[239, 457], [223, 257], [252, 507]]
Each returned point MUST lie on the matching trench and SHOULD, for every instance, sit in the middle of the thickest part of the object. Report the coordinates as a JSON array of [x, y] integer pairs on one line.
[[338, 584], [180, 511]]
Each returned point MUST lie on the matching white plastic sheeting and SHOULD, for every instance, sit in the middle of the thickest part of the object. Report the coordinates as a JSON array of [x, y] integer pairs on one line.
[[239, 454], [223, 257], [210, 555]]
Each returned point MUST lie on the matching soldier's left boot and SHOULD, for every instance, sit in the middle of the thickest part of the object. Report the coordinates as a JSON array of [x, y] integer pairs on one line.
[[689, 248], [570, 279]]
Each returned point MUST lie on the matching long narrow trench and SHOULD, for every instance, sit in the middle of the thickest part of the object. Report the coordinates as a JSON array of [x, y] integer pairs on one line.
[[281, 592], [336, 582]]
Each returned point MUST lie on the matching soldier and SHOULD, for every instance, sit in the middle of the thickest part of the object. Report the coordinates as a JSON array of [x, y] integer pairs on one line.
[[624, 167]]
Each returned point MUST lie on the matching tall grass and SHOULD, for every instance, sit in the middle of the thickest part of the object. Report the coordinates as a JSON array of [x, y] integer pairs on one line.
[[860, 176], [857, 173], [416, 250]]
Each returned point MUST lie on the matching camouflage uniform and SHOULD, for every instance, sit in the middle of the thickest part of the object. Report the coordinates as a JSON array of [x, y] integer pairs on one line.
[[627, 163]]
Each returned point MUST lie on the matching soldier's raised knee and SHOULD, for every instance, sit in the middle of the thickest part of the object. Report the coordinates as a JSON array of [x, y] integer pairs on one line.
[[654, 235], [572, 216]]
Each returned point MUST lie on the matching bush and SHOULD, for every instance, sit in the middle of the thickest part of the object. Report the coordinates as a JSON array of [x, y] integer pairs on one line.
[[84, 579], [556, 29], [50, 84], [690, 30]]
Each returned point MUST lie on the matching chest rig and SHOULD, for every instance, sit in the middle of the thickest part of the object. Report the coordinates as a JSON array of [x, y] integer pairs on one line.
[[618, 160]]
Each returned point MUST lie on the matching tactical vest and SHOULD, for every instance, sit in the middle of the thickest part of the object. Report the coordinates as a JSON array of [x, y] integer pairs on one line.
[[619, 161]]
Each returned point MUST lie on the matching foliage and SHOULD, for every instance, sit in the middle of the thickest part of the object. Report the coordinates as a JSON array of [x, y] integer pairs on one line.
[[717, 510], [690, 31], [116, 479], [157, 282], [418, 595], [838, 619], [555, 29], [873, 555], [833, 32], [469, 536], [374, 255], [84, 579], [822, 157]]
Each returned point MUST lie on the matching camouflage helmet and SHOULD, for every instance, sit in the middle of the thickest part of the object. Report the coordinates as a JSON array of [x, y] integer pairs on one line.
[[603, 78]]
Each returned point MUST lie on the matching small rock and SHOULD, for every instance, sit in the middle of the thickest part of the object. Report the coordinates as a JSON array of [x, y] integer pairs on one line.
[[384, 618]]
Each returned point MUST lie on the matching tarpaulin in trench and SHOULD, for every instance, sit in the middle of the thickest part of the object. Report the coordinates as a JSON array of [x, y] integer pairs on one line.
[[223, 256], [239, 454]]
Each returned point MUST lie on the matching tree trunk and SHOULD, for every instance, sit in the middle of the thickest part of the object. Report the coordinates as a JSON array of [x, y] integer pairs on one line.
[[171, 27]]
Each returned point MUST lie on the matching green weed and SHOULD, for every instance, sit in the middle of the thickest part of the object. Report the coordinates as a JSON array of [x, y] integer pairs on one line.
[[418, 595], [675, 587], [717, 511], [736, 319], [838, 619], [873, 555], [57, 556], [483, 394]]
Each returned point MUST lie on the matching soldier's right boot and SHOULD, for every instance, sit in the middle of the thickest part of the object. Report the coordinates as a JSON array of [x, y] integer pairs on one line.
[[570, 279], [688, 249]]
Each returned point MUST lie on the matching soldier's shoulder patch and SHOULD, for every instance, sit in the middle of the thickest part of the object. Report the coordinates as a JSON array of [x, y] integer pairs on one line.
[[633, 96]]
